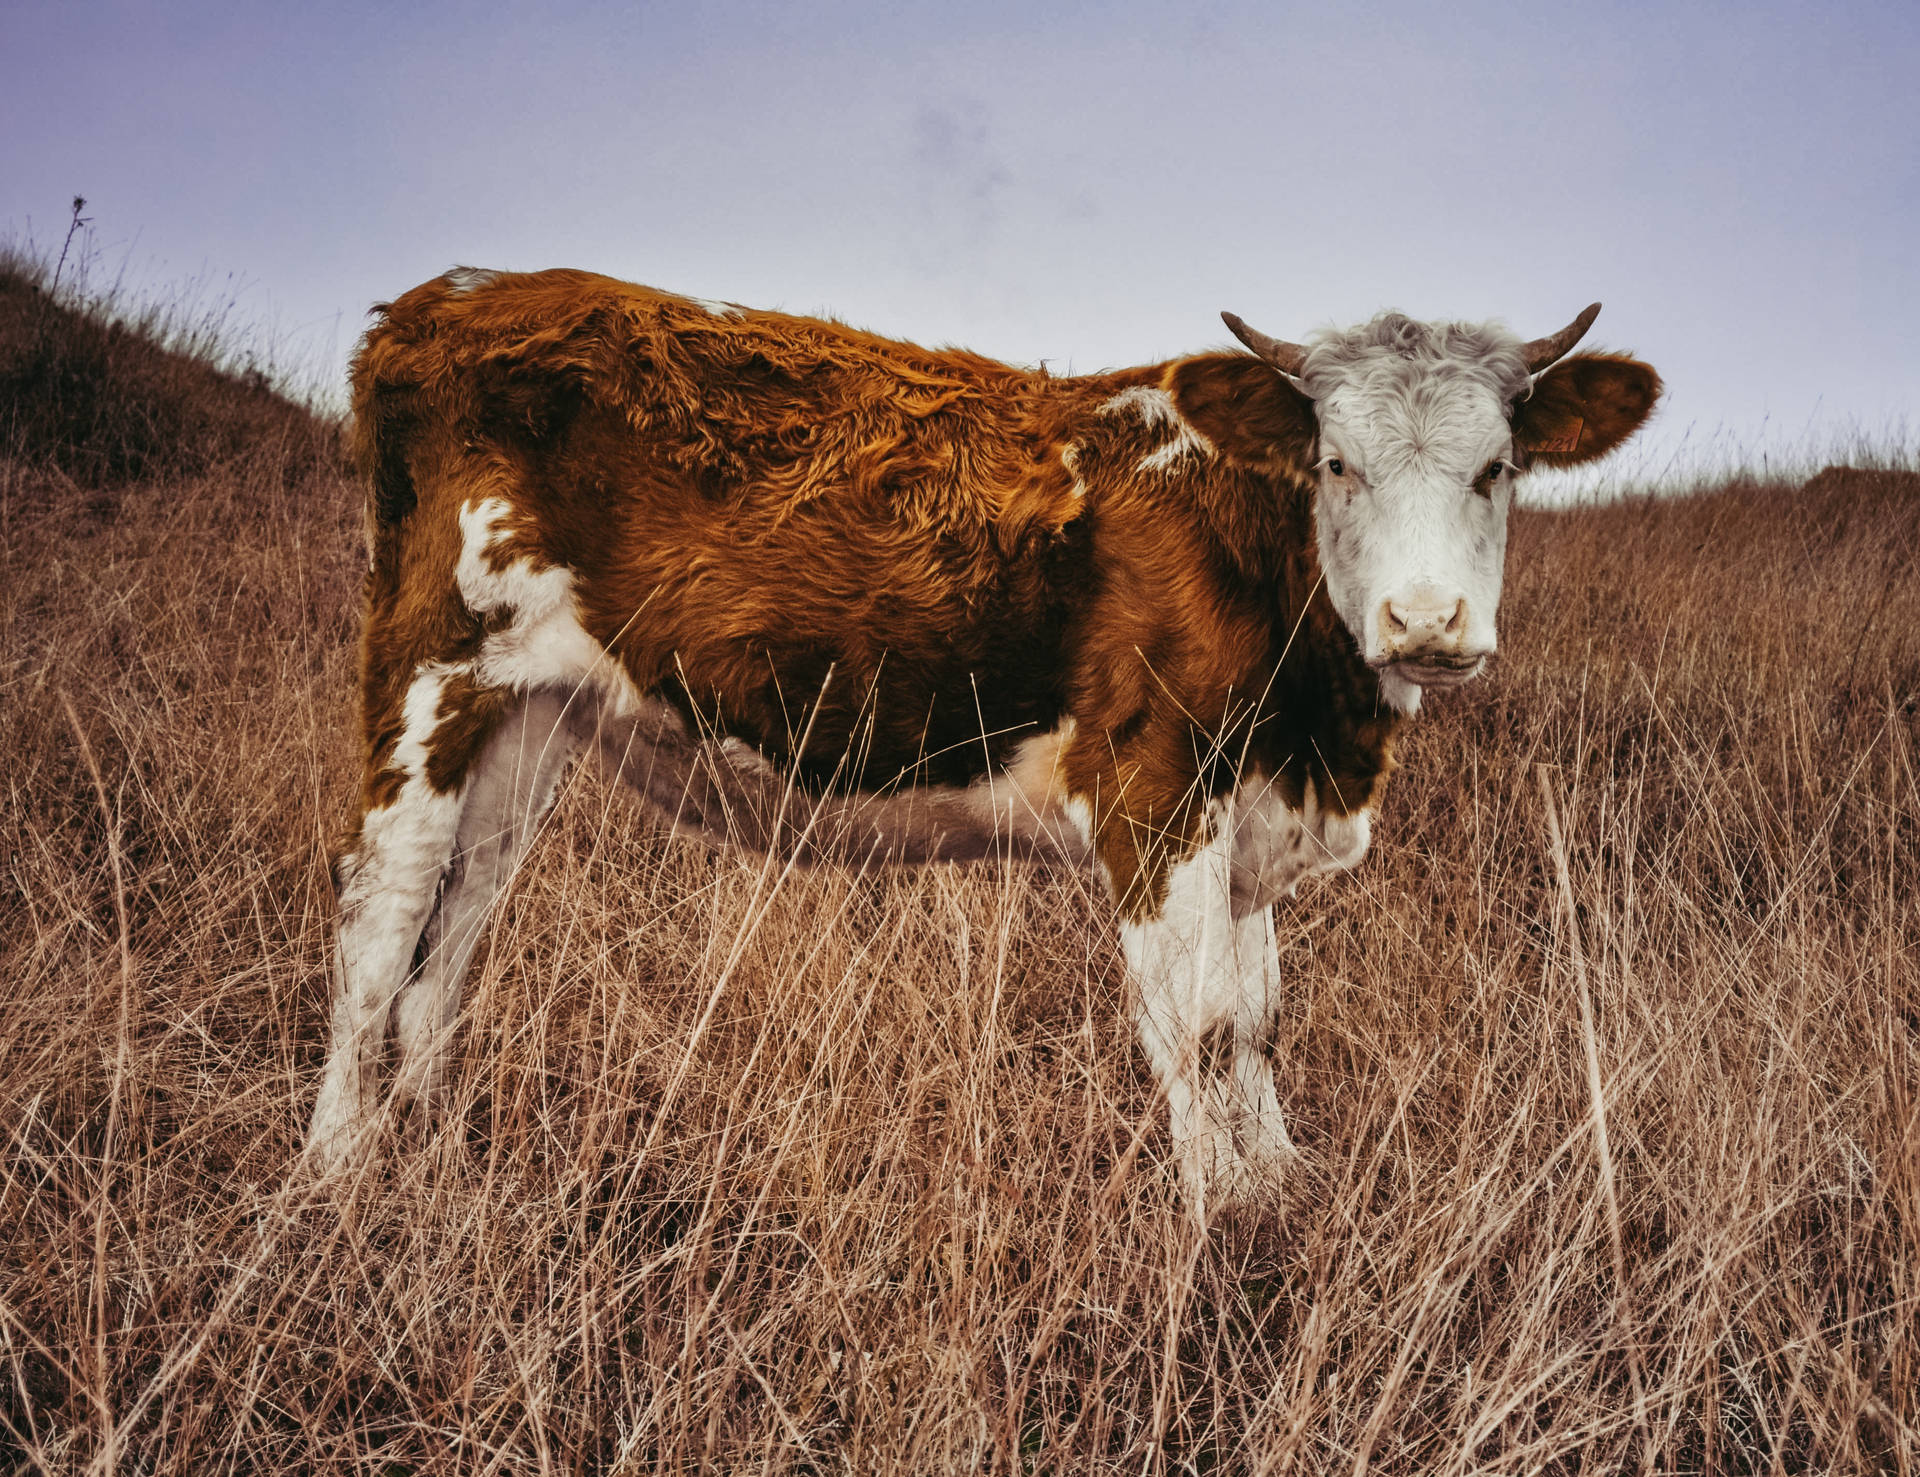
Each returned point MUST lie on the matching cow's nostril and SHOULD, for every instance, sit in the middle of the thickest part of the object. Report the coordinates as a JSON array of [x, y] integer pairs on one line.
[[1422, 623]]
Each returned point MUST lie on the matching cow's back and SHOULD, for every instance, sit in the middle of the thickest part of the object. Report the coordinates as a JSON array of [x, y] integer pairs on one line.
[[763, 513]]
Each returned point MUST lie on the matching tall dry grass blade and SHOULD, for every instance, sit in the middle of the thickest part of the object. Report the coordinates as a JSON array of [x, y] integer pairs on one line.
[[1597, 1100], [110, 820]]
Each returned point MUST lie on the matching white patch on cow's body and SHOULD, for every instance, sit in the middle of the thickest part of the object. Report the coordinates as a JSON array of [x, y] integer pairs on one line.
[[1277, 846], [420, 715], [1070, 459], [1155, 408], [463, 280], [545, 645], [1153, 405], [1188, 442], [1078, 811], [718, 309], [1026, 798]]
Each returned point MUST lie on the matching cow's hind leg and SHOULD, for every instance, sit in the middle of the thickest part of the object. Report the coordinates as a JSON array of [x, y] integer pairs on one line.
[[388, 882], [509, 789]]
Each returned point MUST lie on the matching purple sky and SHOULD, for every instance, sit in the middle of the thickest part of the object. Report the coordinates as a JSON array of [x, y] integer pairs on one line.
[[1083, 184]]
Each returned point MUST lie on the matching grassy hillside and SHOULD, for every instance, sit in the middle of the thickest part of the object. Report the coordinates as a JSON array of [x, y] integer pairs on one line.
[[861, 1173], [101, 398]]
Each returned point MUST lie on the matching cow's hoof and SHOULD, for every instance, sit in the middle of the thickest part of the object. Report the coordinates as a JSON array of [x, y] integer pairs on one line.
[[335, 1151], [1265, 1145], [1225, 1175], [1219, 1179], [1255, 1183]]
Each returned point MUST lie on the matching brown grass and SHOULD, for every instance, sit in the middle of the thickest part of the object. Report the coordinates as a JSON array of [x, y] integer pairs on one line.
[[861, 1173]]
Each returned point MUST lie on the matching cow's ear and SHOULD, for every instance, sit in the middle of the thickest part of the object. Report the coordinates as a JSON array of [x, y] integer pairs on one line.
[[1245, 407], [1582, 408]]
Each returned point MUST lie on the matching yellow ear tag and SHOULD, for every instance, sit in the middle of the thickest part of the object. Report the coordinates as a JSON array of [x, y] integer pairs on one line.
[[1568, 440]]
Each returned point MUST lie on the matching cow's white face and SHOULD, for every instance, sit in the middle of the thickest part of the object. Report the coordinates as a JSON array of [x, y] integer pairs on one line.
[[1416, 468], [1416, 432]]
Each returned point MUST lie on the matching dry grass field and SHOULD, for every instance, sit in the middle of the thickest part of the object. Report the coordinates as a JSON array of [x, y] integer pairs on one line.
[[748, 1171]]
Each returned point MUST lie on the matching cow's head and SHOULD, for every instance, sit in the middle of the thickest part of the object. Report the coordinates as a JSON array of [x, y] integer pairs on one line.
[[1416, 433]]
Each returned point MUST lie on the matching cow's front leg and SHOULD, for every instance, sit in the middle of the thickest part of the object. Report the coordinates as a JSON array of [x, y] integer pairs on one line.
[[1207, 982]]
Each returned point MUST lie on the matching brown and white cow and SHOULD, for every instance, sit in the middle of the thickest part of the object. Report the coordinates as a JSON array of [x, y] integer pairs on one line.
[[1167, 617]]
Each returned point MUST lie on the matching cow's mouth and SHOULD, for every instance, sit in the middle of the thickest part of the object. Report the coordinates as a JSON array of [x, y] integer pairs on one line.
[[1436, 669]]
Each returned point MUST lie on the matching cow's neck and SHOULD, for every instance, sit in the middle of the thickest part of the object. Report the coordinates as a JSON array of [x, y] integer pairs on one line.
[[1315, 709]]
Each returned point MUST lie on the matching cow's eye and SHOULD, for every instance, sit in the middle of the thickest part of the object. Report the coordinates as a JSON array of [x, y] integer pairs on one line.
[[1494, 469], [1336, 466]]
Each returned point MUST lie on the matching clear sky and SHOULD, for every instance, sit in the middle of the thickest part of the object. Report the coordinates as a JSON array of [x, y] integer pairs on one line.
[[1082, 184]]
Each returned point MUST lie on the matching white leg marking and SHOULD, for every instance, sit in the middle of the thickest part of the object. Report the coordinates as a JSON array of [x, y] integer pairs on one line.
[[386, 896], [508, 793], [1199, 968], [1208, 963]]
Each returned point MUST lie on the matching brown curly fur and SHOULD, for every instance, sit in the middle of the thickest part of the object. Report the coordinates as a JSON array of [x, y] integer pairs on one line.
[[920, 558]]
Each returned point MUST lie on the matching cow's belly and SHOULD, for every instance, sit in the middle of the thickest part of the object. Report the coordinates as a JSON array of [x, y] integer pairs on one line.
[[883, 725], [1277, 845], [848, 703]]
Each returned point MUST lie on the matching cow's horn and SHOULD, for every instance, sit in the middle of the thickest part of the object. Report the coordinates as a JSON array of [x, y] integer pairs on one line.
[[1543, 351], [1283, 356]]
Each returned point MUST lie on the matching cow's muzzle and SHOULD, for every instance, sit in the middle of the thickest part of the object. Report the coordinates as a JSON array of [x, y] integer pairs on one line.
[[1423, 635], [1437, 670]]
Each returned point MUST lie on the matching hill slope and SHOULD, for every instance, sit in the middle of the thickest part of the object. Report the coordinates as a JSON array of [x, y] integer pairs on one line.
[[104, 400]]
